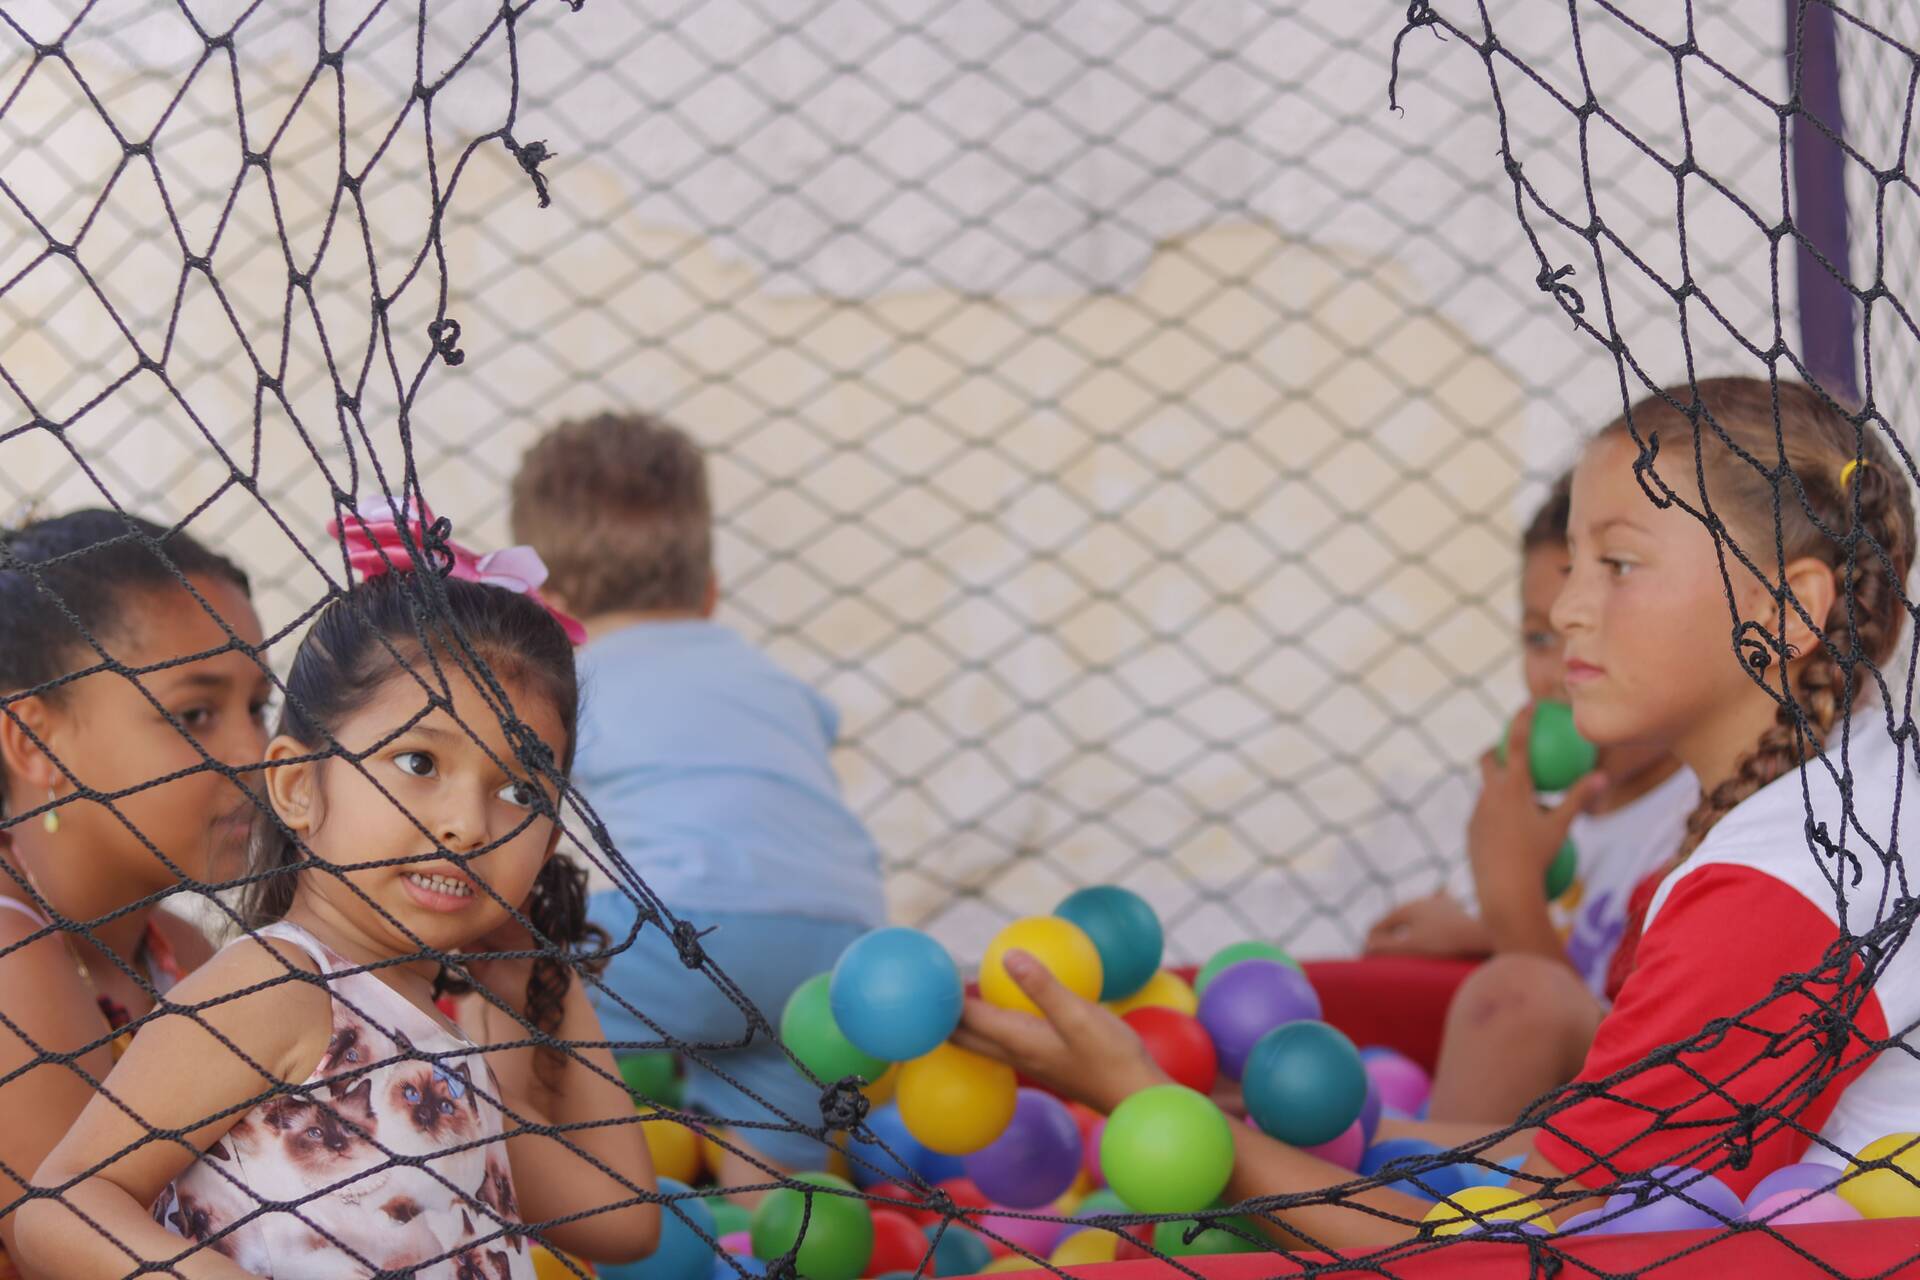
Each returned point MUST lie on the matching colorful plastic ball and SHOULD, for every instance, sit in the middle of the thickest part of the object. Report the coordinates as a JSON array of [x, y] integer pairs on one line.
[[1892, 1192], [1091, 1152], [896, 994], [1179, 1044], [1085, 1247], [686, 1225], [1670, 1198], [1062, 948], [895, 1198], [1345, 1151], [1125, 931], [728, 1266], [897, 1242], [839, 1228], [1806, 1176], [1304, 1083], [1012, 1262], [1432, 1183], [1474, 1209], [1557, 755], [1036, 1236], [1796, 1208], [1402, 1083], [674, 1146], [735, 1242], [956, 1250], [880, 1092], [728, 1217], [1370, 1110], [1167, 1149], [1170, 1238], [812, 1036], [1234, 953], [956, 1102], [909, 1156], [1561, 871], [652, 1077], [1249, 999], [1163, 991], [964, 1194], [1583, 1222], [1035, 1160]]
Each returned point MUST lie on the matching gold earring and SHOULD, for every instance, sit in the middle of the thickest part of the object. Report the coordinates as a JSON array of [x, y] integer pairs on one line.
[[51, 820]]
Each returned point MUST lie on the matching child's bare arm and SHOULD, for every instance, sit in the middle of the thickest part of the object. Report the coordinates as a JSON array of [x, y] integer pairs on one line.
[[176, 1075]]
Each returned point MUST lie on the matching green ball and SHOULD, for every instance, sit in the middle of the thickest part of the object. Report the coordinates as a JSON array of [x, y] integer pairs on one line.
[[808, 1028], [1170, 1238], [839, 1240], [652, 1077], [1167, 1149], [1252, 949], [1557, 755], [729, 1217], [1560, 874]]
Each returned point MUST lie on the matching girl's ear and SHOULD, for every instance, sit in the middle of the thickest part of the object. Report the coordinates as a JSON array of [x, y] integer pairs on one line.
[[1815, 586], [293, 789], [23, 759]]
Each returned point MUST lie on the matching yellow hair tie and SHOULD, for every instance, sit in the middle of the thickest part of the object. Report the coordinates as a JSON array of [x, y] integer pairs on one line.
[[1846, 472]]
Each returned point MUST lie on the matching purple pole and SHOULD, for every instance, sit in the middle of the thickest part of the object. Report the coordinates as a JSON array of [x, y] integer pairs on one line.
[[1820, 199]]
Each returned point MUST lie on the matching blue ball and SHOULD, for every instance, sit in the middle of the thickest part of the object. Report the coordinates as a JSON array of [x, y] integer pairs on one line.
[[723, 1264], [959, 1252], [1125, 931], [681, 1254], [1370, 1109], [1381, 1154], [1304, 1083], [909, 1156], [896, 994]]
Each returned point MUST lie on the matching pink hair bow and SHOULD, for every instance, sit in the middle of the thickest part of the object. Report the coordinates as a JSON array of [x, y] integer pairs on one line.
[[371, 536]]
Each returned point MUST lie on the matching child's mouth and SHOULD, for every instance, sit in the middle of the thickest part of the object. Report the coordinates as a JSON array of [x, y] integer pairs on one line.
[[438, 892]]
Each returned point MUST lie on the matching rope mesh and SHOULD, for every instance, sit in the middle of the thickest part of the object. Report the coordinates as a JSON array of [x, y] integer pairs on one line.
[[1118, 411]]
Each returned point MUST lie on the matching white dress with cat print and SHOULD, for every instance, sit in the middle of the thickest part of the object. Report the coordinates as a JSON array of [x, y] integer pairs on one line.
[[343, 1146]]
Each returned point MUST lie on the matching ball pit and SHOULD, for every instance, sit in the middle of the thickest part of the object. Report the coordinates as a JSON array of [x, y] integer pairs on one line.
[[1795, 1207], [1085, 1247], [726, 1266], [1167, 1149], [909, 1155], [728, 1217], [895, 994], [1346, 1151], [898, 1244], [1402, 1083], [1249, 999], [955, 1102], [1304, 1082], [1640, 1205], [1794, 1177], [1179, 1044], [1234, 953], [812, 1036], [1163, 991], [1124, 930], [1035, 1161], [675, 1147], [956, 1250], [1032, 1235], [839, 1228], [1886, 1193], [683, 1252], [652, 1077], [1062, 948], [1473, 1210], [1170, 1238]]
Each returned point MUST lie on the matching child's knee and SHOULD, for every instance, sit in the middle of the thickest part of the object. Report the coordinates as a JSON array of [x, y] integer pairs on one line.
[[1525, 999]]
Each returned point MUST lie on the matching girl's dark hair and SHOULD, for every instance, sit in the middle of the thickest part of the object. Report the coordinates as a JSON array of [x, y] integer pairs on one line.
[[371, 634], [1817, 511], [67, 579], [1548, 527]]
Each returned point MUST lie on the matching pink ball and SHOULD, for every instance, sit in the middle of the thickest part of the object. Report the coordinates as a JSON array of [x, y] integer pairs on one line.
[[1818, 1206], [1036, 1238], [1344, 1150], [740, 1242], [1398, 1079], [1092, 1148]]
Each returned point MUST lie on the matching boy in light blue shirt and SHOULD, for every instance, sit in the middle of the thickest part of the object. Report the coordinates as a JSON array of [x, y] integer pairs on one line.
[[708, 764]]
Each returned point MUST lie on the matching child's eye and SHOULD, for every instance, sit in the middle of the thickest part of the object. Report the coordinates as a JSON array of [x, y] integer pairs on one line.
[[417, 763], [1619, 568], [1539, 639], [520, 794], [196, 718]]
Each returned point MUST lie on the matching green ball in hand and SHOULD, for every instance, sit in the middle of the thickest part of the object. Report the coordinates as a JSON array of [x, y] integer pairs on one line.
[[1557, 755], [1561, 871]]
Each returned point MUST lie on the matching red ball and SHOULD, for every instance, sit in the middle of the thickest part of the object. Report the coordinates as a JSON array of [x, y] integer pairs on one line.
[[964, 1194], [1179, 1044], [898, 1243], [910, 1210]]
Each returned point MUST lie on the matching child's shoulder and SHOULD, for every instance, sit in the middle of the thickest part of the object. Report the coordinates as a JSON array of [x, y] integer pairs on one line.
[[265, 994]]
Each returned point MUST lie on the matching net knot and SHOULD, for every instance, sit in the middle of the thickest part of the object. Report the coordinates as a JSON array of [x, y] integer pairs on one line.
[[686, 940], [1755, 645], [1565, 294], [1419, 14], [782, 1268], [843, 1105], [436, 542], [531, 157], [445, 335], [1739, 1136]]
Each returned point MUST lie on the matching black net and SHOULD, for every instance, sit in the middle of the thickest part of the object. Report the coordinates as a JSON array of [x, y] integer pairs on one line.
[[1119, 411]]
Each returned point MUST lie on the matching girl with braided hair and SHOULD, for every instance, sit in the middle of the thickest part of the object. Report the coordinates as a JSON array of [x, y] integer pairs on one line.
[[1739, 558]]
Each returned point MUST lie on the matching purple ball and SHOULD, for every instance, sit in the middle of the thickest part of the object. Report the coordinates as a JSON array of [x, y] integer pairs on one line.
[[1036, 1160], [1795, 1177], [1249, 999], [1579, 1220], [1666, 1192], [1037, 1236], [1400, 1081], [1798, 1205], [1370, 1109]]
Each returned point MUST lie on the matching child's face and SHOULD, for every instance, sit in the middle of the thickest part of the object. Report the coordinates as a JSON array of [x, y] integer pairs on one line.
[[112, 737], [463, 785], [1542, 573], [1649, 655]]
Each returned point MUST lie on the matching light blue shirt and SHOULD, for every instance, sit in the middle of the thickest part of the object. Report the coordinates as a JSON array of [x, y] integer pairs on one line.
[[709, 766]]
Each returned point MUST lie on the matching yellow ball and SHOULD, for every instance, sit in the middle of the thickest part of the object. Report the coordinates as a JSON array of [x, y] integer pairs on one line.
[[712, 1154], [675, 1147], [1164, 990], [1012, 1262], [1884, 1193], [954, 1101], [1060, 945], [1090, 1244], [1466, 1210], [548, 1266]]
